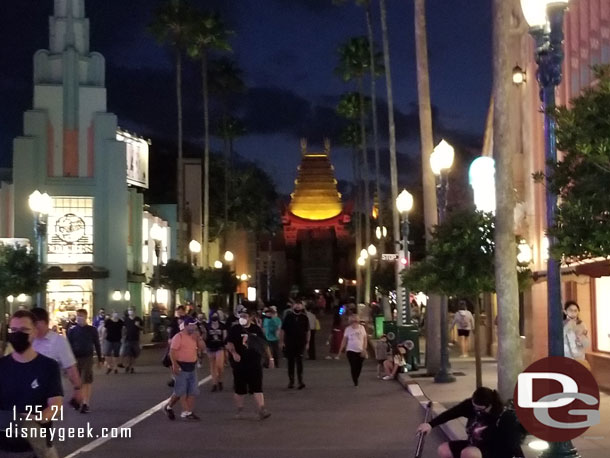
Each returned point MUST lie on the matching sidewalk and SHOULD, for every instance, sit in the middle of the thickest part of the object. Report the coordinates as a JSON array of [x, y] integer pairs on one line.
[[594, 444]]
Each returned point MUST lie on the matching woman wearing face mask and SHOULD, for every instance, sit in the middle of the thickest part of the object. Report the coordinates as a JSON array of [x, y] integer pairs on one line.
[[113, 332], [215, 342], [355, 342], [575, 334], [490, 432]]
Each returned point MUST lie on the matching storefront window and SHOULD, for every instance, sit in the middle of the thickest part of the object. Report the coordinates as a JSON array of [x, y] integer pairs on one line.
[[602, 313], [65, 297], [70, 231]]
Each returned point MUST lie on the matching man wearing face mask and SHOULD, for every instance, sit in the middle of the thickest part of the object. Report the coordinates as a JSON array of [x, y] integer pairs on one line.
[[84, 339], [99, 319], [131, 347], [294, 340], [113, 332], [29, 382], [246, 344]]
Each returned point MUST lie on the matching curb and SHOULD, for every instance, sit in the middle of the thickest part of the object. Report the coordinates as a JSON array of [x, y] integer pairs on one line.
[[150, 346], [454, 429]]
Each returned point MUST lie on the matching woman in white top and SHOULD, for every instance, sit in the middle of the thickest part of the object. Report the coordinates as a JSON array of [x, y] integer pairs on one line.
[[575, 334], [355, 342], [464, 321]]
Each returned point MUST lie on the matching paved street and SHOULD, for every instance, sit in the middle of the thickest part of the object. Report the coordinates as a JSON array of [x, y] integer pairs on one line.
[[330, 418]]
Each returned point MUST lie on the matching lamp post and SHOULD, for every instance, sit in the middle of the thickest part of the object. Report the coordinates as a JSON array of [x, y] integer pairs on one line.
[[195, 249], [545, 19], [41, 205], [441, 161], [404, 204], [156, 233]]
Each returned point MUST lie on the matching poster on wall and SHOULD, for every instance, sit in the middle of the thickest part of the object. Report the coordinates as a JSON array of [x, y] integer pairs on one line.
[[70, 231], [137, 159]]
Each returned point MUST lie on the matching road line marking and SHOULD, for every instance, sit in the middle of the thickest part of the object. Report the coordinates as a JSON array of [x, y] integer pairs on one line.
[[134, 421]]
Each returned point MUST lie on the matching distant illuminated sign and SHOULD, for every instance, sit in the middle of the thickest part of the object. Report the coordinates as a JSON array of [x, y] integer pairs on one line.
[[137, 159], [70, 231]]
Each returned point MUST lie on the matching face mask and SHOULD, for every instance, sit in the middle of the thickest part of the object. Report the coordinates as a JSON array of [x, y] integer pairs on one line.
[[81, 320], [130, 313], [115, 317], [20, 341], [214, 318], [243, 321]]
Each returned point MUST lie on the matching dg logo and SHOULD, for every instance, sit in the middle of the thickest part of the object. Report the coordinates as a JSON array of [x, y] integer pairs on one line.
[[557, 399]]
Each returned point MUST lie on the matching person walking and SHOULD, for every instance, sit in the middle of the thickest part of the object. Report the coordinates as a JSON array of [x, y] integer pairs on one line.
[[294, 340], [272, 326], [215, 342], [575, 334], [336, 334], [113, 333], [355, 343], [464, 321], [31, 386], [131, 348], [184, 349], [246, 344], [52, 345], [84, 339], [99, 319], [313, 326]]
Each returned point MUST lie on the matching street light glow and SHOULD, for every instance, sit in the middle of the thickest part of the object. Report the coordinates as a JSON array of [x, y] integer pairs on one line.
[[218, 264], [364, 254], [442, 157], [361, 261], [244, 277], [21, 298], [156, 232], [524, 256], [341, 281], [127, 296], [482, 177], [519, 75], [372, 250], [116, 295], [538, 445], [195, 247], [381, 232], [40, 203], [10, 299], [404, 201], [229, 257], [534, 12]]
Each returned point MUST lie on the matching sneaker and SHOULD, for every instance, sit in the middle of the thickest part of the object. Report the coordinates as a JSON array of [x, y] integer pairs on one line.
[[328, 357], [116, 371], [263, 414], [291, 385], [85, 409], [336, 357], [74, 403], [120, 365], [127, 370], [131, 371], [239, 415], [387, 377], [219, 386], [169, 412], [301, 386], [214, 388], [192, 417]]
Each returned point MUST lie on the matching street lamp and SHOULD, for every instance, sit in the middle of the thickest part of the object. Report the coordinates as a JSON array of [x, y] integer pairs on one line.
[[404, 204], [218, 264], [195, 249], [381, 232], [519, 76], [41, 205], [372, 250], [364, 254], [441, 161], [361, 261], [482, 177], [524, 253], [229, 257], [545, 19]]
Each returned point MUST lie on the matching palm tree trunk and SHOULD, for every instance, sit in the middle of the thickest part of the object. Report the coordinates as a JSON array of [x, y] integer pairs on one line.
[[358, 219], [369, 25], [507, 289], [433, 329], [227, 158], [205, 249], [366, 193], [180, 170], [392, 136]]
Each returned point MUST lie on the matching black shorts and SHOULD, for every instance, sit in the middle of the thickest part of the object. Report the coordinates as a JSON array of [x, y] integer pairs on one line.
[[464, 332], [247, 379], [456, 448]]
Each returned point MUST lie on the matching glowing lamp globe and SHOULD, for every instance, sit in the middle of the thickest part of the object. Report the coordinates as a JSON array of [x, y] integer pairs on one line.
[[217, 264], [361, 262], [404, 201], [372, 250], [229, 257], [195, 246], [442, 157], [40, 203], [364, 254], [156, 232]]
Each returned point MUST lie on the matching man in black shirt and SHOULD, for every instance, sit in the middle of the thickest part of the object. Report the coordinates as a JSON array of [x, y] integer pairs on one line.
[[131, 347], [246, 344], [294, 339], [113, 332], [30, 385], [83, 339]]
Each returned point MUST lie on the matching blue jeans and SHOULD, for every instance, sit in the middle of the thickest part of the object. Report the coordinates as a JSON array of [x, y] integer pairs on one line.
[[186, 384]]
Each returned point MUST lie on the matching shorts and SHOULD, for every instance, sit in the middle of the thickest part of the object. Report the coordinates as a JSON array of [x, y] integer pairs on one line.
[[456, 448], [112, 348], [186, 384], [463, 332], [131, 348], [214, 351], [247, 379], [84, 365]]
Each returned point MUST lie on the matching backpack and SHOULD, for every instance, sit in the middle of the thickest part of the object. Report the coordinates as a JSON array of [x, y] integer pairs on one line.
[[463, 320]]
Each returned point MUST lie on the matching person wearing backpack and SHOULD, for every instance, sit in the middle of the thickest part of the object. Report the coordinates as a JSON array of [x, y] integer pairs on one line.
[[464, 321]]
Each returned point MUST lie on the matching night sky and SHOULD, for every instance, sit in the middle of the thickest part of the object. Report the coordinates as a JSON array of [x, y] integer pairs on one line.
[[288, 51]]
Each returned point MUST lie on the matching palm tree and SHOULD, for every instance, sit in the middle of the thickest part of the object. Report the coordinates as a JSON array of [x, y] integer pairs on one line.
[[170, 26], [225, 79], [208, 33], [354, 64]]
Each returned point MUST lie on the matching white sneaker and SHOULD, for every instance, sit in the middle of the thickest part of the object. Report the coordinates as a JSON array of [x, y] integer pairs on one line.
[[329, 357], [387, 377]]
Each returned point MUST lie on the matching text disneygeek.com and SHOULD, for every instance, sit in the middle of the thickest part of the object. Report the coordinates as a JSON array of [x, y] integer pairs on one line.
[[60, 434]]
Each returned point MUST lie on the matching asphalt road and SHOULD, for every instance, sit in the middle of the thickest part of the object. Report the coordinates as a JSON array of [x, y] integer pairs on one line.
[[329, 418]]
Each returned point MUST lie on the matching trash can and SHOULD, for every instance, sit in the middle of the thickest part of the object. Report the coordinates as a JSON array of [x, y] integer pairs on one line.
[[407, 335]]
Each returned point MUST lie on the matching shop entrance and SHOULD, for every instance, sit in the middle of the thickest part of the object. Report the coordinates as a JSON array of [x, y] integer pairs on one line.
[[65, 297]]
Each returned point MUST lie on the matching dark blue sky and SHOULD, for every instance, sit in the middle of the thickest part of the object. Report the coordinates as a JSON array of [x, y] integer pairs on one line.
[[287, 49]]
